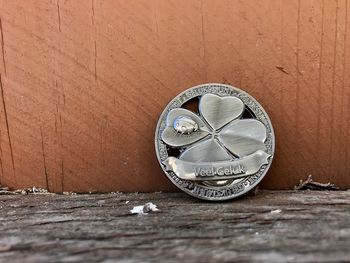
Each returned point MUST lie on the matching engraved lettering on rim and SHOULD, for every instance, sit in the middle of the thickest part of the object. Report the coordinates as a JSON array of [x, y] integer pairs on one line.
[[220, 152]]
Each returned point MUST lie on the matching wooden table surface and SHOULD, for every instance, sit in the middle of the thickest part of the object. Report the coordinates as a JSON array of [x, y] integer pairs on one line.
[[272, 226]]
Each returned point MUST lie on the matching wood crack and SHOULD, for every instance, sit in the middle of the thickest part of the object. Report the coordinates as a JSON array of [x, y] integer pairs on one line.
[[95, 61], [59, 15], [319, 84], [203, 39], [44, 160], [331, 150], [3, 47], [7, 125], [95, 45], [93, 12]]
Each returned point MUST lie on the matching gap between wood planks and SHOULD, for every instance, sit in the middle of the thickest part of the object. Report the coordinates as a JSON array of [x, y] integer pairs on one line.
[[308, 184]]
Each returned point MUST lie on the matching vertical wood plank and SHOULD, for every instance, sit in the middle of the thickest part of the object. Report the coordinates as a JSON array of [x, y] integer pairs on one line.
[[84, 82]]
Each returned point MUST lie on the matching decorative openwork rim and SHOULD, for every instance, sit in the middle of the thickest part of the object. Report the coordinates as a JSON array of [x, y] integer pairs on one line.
[[207, 192]]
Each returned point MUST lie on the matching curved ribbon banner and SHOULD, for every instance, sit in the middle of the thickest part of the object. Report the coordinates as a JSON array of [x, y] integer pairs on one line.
[[224, 170]]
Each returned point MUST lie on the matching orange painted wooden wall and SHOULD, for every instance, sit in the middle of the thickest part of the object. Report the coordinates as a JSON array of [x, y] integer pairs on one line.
[[84, 81]]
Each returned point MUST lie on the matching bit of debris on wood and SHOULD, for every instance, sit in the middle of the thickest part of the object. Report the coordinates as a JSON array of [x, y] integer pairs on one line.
[[280, 68], [309, 184], [4, 247], [30, 190], [4, 188], [144, 209], [69, 193], [6, 191], [277, 211]]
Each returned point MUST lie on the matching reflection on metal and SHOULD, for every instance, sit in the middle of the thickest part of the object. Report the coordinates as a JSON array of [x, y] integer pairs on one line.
[[185, 125], [218, 151], [213, 171], [175, 139]]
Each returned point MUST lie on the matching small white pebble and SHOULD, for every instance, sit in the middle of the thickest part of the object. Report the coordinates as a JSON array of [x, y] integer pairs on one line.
[[144, 209], [126, 202], [277, 211]]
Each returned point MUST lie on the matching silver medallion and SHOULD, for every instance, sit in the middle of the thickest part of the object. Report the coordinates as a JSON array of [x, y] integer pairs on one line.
[[214, 141]]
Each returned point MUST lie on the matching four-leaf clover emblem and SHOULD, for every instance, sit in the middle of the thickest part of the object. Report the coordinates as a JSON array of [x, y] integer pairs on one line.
[[217, 133]]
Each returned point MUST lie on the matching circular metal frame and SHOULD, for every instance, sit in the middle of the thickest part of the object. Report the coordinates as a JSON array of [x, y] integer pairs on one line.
[[206, 191]]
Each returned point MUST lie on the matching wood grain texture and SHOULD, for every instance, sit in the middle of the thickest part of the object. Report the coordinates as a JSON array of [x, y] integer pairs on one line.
[[286, 226], [83, 83]]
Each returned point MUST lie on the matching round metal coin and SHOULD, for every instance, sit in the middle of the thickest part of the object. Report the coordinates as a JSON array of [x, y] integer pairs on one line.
[[214, 141]]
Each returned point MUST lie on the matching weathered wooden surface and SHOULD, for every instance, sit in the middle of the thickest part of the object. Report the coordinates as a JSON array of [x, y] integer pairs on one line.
[[83, 83], [304, 226]]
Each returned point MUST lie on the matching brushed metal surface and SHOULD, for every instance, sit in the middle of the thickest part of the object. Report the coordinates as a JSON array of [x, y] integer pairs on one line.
[[217, 152], [218, 111], [243, 137], [206, 151]]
